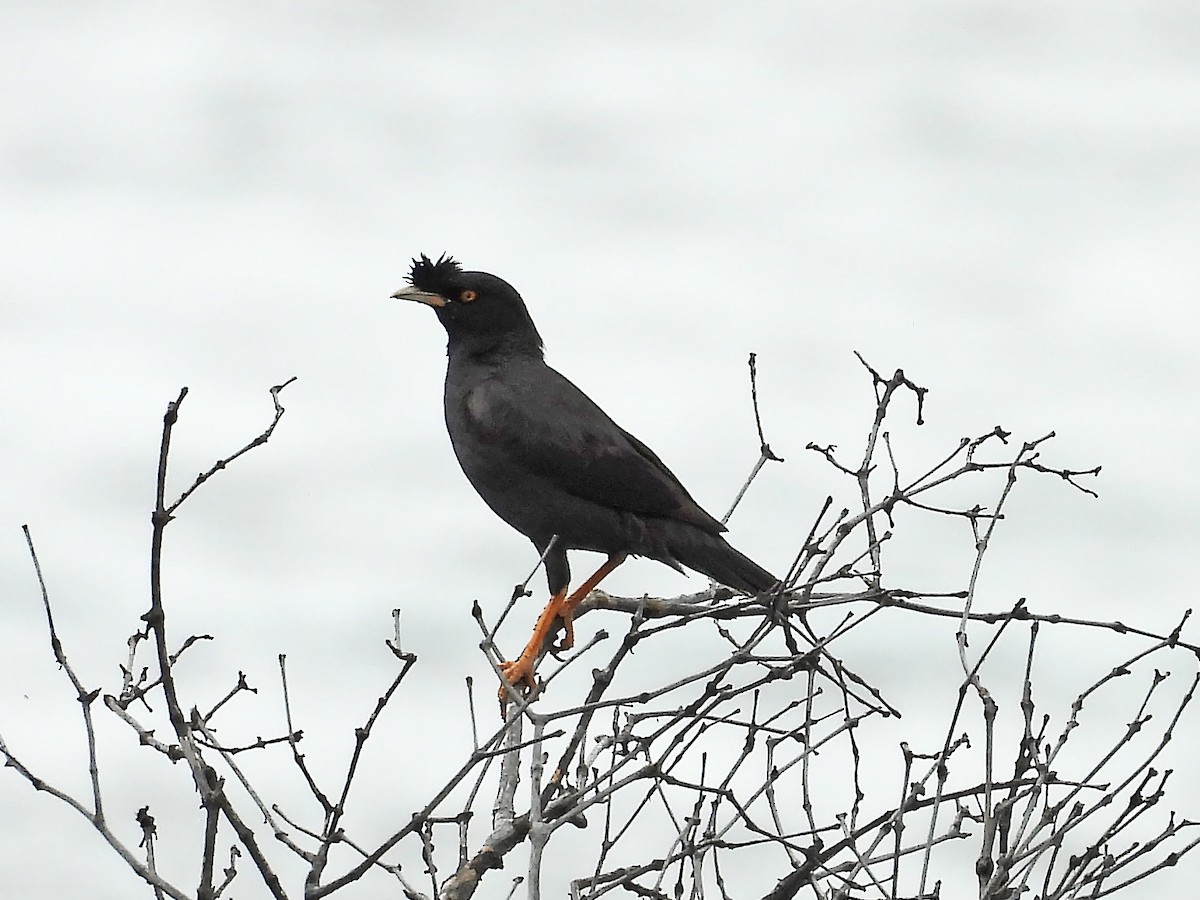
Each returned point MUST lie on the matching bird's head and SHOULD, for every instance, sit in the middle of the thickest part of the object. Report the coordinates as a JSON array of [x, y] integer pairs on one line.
[[480, 312]]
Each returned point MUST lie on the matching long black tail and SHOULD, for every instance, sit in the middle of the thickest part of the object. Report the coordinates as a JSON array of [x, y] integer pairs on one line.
[[712, 555]]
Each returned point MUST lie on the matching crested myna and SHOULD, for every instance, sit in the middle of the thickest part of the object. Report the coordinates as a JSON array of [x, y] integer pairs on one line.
[[550, 462]]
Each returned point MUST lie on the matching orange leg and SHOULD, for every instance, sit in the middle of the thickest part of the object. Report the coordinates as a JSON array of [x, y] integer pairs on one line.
[[567, 613], [520, 671]]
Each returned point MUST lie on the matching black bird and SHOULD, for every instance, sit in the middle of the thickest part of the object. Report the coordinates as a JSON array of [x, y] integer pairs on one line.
[[550, 462]]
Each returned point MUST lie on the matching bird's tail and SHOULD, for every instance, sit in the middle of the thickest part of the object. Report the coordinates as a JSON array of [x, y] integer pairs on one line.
[[713, 556]]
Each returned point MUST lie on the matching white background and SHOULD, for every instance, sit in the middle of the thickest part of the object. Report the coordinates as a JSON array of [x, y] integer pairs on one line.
[[1002, 198]]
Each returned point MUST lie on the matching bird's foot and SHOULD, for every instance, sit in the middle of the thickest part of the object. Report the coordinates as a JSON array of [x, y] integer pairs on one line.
[[566, 611], [519, 672], [566, 615], [518, 675]]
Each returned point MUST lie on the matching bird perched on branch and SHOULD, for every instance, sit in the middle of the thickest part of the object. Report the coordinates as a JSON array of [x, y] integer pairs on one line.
[[550, 462]]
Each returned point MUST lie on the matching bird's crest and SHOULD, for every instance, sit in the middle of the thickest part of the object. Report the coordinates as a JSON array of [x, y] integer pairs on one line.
[[434, 277]]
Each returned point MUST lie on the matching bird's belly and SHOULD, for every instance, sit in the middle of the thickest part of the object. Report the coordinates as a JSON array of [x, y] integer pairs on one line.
[[540, 510]]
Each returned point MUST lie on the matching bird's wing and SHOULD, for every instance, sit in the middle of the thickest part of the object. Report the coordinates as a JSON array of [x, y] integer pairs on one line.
[[549, 427]]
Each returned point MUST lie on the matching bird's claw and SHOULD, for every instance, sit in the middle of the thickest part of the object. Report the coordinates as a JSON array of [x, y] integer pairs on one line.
[[517, 674], [567, 617]]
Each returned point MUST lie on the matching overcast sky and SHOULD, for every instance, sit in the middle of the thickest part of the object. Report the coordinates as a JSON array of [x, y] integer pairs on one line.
[[1003, 198]]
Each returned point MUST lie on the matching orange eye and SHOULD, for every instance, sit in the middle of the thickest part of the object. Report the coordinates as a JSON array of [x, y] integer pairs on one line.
[[467, 296]]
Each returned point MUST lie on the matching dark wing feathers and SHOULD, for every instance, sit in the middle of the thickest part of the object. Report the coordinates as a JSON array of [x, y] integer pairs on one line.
[[557, 432]]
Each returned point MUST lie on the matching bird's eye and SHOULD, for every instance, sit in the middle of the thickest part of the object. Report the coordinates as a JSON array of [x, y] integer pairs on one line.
[[467, 296]]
